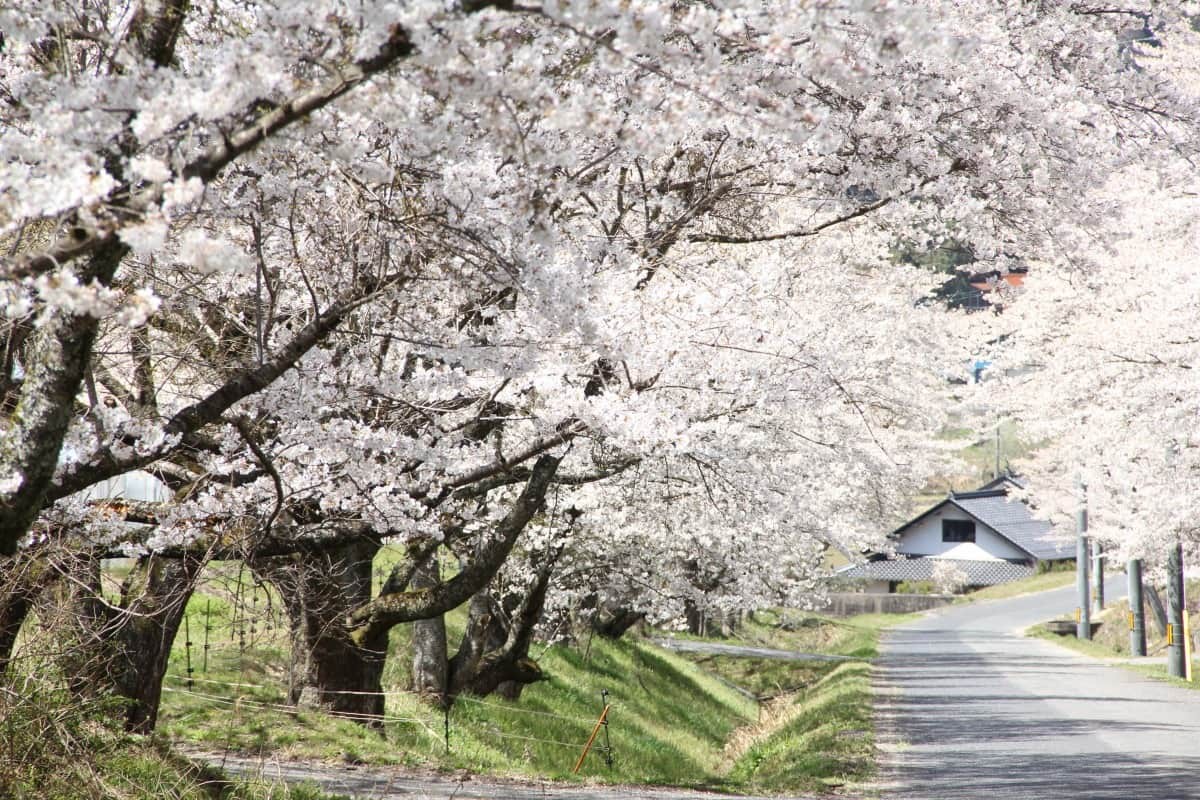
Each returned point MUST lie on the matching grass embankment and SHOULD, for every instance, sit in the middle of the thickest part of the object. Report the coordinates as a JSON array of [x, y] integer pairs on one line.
[[669, 722], [676, 720], [1034, 583], [53, 747], [815, 732]]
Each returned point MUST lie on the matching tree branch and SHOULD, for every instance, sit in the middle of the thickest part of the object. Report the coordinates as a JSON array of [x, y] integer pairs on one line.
[[387, 610]]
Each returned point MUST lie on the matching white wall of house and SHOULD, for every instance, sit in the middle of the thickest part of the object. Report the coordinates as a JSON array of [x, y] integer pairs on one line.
[[136, 485], [876, 587], [925, 539]]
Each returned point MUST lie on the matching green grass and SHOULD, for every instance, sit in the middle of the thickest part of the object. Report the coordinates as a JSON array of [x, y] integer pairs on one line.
[[1111, 641], [816, 731], [669, 722], [675, 720], [78, 752], [821, 738], [1087, 647], [1034, 583]]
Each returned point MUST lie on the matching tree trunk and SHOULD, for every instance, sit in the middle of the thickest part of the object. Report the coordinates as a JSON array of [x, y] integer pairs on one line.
[[1157, 610], [123, 650], [154, 599], [394, 606], [22, 579], [693, 617], [319, 591], [494, 655], [430, 668], [613, 623]]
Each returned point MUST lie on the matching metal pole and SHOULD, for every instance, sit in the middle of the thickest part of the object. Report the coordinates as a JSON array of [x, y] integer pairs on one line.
[[608, 759], [1083, 628], [592, 738], [996, 471], [1137, 609], [1175, 633], [207, 628], [187, 649], [1097, 577]]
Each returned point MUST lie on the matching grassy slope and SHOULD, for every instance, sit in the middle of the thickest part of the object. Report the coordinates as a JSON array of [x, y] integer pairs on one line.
[[82, 758], [669, 722], [816, 732], [1034, 583], [675, 719]]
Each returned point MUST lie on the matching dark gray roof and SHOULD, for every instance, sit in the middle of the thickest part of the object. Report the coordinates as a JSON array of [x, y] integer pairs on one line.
[[979, 573], [1010, 518], [1013, 520]]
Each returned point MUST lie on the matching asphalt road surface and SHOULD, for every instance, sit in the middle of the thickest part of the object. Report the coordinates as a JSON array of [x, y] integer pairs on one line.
[[971, 709]]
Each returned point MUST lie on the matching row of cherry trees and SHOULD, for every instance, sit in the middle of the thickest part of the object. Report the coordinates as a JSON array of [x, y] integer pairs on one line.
[[596, 300]]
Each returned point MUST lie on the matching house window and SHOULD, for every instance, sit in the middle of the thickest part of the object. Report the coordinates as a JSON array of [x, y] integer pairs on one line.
[[958, 530]]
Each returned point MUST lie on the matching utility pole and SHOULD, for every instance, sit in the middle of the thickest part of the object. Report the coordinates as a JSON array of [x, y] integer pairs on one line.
[[1137, 613], [996, 471], [1083, 614], [1176, 648], [1097, 577]]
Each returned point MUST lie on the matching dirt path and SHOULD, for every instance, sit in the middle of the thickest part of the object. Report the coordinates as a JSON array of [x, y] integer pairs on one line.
[[742, 651], [393, 783]]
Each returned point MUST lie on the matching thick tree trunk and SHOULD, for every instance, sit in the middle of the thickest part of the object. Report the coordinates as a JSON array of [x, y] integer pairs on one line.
[[693, 617], [123, 650], [319, 591], [395, 606], [494, 655], [154, 600], [482, 635], [430, 668], [613, 623], [22, 579]]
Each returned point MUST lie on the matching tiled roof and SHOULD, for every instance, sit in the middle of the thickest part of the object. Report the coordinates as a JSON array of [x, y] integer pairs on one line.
[[979, 573], [1013, 520]]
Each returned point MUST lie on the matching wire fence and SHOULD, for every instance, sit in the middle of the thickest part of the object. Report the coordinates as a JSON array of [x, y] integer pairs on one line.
[[235, 652], [237, 699]]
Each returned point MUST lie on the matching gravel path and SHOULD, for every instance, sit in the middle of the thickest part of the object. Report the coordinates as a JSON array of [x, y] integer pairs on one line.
[[397, 783], [974, 710], [741, 651]]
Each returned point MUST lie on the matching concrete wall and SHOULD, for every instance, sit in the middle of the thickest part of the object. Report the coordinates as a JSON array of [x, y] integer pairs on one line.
[[925, 539], [847, 604]]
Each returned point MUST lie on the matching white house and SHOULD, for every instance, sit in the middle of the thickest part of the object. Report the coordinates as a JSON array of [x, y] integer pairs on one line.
[[989, 536]]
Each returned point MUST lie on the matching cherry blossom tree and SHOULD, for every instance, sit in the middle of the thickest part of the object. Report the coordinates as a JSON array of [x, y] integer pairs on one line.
[[406, 270]]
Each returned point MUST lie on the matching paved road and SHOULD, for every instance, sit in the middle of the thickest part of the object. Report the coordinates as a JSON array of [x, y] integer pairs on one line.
[[973, 710]]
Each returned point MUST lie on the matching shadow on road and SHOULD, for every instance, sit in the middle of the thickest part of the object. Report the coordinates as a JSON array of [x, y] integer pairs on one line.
[[968, 712]]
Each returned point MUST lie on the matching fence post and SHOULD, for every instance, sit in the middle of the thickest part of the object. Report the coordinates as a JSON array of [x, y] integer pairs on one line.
[[187, 650], [592, 738], [207, 628], [608, 759]]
